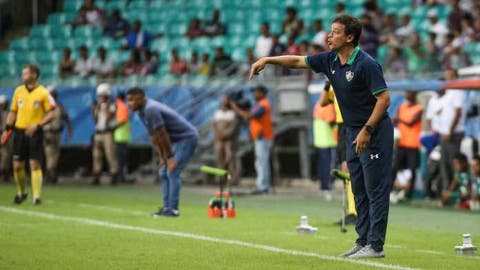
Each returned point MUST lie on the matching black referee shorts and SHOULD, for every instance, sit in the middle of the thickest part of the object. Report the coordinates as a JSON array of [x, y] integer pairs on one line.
[[25, 147]]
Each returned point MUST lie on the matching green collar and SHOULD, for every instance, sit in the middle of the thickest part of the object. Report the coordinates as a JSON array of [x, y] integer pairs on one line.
[[352, 56]]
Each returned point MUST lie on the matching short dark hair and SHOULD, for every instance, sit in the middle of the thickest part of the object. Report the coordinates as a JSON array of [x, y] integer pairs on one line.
[[136, 91], [34, 69], [461, 157], [352, 26], [476, 157]]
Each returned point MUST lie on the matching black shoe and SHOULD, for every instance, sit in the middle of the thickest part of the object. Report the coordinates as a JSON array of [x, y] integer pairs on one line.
[[162, 212], [37, 201], [18, 199], [172, 213], [259, 192]]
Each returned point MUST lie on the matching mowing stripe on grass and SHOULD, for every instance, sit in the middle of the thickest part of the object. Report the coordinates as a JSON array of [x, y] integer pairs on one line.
[[139, 213], [100, 223]]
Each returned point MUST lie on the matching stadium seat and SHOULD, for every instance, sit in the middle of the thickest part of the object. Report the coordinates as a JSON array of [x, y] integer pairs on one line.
[[115, 4], [40, 31], [19, 44], [72, 5], [87, 31]]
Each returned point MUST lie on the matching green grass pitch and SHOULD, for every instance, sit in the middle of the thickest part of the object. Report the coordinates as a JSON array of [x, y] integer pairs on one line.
[[83, 227]]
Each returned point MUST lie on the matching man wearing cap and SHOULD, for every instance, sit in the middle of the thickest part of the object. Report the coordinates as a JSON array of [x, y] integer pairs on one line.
[[261, 132], [52, 135], [5, 149], [437, 27], [103, 144]]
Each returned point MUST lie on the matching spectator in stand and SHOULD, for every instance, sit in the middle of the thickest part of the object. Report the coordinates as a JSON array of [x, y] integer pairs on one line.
[[433, 54], [205, 67], [369, 38], [292, 47], [66, 67], [339, 9], [388, 28], [94, 14], [133, 65], [222, 63], [264, 42], [416, 55], [456, 15], [194, 29], [304, 47], [375, 13], [82, 17], [194, 64], [150, 64], [103, 67], [178, 66], [292, 25], [451, 127], [84, 65], [137, 38], [116, 26], [452, 54], [459, 191], [320, 37], [407, 154], [278, 48], [437, 27], [215, 27], [468, 27], [244, 67], [405, 30], [396, 62]]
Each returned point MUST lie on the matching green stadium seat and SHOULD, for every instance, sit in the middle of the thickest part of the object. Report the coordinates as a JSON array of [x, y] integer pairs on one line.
[[116, 4], [138, 4], [40, 31], [61, 18], [72, 5], [7, 57], [19, 44], [87, 31]]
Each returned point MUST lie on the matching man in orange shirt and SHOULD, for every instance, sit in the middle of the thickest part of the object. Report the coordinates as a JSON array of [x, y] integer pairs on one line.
[[407, 157], [261, 132]]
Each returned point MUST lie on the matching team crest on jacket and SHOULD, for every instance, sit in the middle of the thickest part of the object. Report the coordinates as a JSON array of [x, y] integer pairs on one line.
[[349, 75], [36, 104]]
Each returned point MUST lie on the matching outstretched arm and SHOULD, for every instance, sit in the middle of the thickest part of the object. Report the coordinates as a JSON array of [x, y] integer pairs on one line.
[[289, 61]]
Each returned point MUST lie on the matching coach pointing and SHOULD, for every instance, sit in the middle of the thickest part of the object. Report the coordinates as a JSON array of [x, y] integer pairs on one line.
[[362, 95]]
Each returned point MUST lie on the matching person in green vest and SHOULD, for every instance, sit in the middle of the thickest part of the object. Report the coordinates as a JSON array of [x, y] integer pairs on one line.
[[121, 136]]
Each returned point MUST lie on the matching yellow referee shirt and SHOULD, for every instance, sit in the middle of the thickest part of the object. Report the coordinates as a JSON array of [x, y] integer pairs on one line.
[[31, 106]]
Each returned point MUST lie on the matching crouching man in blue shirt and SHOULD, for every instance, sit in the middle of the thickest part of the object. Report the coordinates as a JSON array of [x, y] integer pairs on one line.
[[360, 90], [175, 141]]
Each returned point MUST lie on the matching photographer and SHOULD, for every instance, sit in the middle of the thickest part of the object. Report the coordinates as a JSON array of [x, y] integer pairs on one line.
[[261, 132]]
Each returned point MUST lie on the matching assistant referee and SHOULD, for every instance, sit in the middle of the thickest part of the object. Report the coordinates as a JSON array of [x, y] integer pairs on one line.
[[31, 109], [360, 89]]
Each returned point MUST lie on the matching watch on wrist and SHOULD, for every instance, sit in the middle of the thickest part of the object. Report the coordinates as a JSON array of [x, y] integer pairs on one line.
[[370, 129]]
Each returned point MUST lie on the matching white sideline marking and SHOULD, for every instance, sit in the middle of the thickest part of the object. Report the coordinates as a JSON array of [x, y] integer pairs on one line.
[[107, 208], [138, 213], [101, 223]]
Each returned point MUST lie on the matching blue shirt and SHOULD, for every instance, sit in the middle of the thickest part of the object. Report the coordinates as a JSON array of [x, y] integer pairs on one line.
[[155, 115], [355, 83], [132, 39]]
